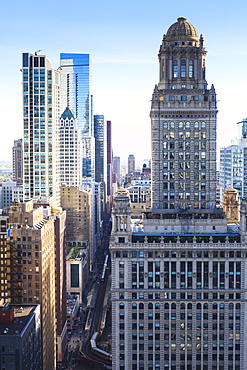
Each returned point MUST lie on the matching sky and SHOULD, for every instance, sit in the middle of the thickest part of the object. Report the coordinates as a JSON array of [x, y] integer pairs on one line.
[[123, 39]]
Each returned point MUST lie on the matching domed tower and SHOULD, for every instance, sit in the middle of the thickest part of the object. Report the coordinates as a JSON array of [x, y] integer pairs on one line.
[[183, 119]]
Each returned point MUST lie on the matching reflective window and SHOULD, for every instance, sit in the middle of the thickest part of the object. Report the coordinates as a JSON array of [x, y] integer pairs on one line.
[[175, 69], [183, 68], [191, 69]]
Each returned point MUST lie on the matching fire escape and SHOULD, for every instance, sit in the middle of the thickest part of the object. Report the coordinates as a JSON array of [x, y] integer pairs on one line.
[[14, 271]]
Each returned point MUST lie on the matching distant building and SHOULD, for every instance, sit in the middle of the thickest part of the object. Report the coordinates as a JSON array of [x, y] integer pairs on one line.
[[20, 337], [109, 163], [233, 167], [77, 203], [100, 157], [41, 119], [9, 191], [131, 163], [17, 160], [70, 150], [116, 170]]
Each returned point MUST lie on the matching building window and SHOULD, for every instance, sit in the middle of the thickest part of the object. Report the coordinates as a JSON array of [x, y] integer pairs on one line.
[[175, 69], [183, 68], [191, 68]]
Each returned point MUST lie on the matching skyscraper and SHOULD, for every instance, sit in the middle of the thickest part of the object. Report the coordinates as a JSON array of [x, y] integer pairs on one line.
[[76, 88], [70, 150], [41, 114], [183, 119], [76, 95], [179, 278], [131, 163], [100, 158], [116, 170], [109, 161], [17, 160]]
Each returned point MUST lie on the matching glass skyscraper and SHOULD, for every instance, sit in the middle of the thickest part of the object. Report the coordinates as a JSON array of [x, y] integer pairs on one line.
[[76, 88], [76, 95]]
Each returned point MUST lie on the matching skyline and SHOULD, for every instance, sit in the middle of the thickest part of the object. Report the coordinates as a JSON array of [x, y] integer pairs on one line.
[[124, 67]]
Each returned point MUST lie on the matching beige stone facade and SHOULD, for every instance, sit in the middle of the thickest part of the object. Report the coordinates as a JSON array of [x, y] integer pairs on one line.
[[31, 271], [76, 202]]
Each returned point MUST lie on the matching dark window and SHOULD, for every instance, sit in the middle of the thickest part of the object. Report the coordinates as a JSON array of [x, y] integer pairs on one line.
[[74, 276]]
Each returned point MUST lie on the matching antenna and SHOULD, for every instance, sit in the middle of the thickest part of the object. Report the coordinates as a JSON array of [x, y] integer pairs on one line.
[[36, 52]]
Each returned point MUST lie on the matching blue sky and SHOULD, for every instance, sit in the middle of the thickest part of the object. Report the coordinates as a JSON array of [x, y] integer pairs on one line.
[[123, 39]]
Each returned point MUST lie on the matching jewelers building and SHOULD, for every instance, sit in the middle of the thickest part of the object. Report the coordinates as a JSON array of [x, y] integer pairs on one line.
[[179, 277]]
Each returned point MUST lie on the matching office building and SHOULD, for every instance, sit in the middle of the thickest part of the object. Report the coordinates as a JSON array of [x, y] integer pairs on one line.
[[76, 88], [131, 163], [70, 150], [10, 190], [31, 273], [76, 95], [59, 221], [109, 163], [178, 298], [233, 164], [20, 337], [77, 203], [77, 265], [100, 152], [41, 118], [179, 277], [116, 171], [17, 161], [183, 124]]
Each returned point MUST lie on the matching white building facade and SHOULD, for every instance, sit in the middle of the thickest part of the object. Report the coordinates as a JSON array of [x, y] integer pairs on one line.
[[41, 119]]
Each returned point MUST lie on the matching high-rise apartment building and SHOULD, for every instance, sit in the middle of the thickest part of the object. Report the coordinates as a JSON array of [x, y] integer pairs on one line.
[[179, 278], [17, 160], [41, 118], [131, 163], [70, 150], [183, 119]]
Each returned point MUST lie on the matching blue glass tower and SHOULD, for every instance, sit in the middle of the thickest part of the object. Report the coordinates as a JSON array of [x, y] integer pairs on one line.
[[76, 89]]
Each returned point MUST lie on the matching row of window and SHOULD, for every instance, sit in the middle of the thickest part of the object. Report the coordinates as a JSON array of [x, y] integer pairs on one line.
[[178, 254], [182, 306], [183, 69]]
